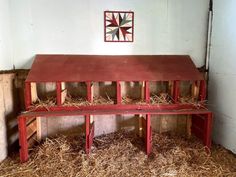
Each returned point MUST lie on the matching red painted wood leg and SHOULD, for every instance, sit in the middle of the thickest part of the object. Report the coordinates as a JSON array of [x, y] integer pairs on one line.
[[87, 128], [91, 135], [148, 134], [23, 139], [208, 130]]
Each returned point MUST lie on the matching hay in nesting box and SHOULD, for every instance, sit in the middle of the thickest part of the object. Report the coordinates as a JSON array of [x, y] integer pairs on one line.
[[162, 98], [48, 102], [70, 101], [129, 100], [99, 100], [187, 100], [121, 154], [193, 101]]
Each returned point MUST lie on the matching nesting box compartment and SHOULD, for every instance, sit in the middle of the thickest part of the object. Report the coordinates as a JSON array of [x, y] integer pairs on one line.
[[103, 93], [161, 92], [74, 94], [133, 92], [43, 94]]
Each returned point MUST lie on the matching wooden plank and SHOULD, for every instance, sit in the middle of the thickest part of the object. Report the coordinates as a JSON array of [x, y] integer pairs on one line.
[[29, 121], [63, 92], [143, 91], [3, 125], [39, 128], [34, 95], [110, 111], [63, 85], [63, 95], [91, 119], [33, 140], [31, 129], [195, 90]]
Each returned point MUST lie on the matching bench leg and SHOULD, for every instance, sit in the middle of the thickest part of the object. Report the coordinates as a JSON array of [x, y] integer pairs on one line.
[[89, 123], [148, 134], [207, 130], [23, 139], [87, 127]]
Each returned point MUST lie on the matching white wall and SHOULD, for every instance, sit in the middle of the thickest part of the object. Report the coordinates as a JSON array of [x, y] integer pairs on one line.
[[76, 27], [223, 73], [6, 61]]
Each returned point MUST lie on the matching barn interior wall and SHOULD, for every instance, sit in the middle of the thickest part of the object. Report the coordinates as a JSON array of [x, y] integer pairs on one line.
[[222, 85], [6, 51], [77, 27]]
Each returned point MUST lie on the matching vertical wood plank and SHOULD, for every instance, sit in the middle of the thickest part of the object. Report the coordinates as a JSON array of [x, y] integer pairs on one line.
[[39, 128], [34, 95]]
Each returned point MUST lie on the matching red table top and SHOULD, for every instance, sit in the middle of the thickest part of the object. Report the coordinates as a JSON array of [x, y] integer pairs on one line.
[[75, 68]]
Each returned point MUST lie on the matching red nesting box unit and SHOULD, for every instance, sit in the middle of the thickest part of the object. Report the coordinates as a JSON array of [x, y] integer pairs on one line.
[[169, 73]]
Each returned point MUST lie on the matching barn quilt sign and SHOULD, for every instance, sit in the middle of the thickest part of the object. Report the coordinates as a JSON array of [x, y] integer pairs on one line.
[[119, 26]]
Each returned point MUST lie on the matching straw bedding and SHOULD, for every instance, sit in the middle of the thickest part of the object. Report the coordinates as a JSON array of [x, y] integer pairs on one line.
[[162, 98], [99, 100], [69, 101], [49, 101], [121, 154], [129, 100]]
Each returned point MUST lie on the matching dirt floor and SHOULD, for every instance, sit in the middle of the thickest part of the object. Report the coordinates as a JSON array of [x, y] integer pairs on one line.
[[121, 154]]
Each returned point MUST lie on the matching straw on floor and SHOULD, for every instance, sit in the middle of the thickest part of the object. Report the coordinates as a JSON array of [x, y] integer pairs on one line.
[[121, 154]]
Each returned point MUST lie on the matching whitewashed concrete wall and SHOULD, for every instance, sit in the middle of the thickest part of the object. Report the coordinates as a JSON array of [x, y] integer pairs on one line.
[[6, 60], [222, 92], [77, 27]]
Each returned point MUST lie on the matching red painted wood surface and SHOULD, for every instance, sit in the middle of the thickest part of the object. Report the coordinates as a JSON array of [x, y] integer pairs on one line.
[[148, 134], [27, 94], [89, 139], [78, 68], [87, 130], [23, 139], [202, 127], [121, 107], [111, 112]]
